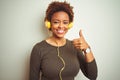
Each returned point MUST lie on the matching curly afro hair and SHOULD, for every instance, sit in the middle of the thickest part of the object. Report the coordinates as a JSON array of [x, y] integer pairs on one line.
[[59, 6]]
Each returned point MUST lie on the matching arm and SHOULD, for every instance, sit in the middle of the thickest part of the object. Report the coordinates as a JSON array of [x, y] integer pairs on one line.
[[35, 64], [87, 60], [88, 65]]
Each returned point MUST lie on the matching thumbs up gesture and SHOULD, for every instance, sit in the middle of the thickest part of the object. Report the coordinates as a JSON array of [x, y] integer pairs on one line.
[[80, 43]]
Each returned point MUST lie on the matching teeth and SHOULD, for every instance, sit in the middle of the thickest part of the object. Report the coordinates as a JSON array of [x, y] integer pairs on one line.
[[60, 31]]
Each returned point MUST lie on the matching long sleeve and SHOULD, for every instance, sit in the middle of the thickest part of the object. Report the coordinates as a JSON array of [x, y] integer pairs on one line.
[[35, 64], [88, 69]]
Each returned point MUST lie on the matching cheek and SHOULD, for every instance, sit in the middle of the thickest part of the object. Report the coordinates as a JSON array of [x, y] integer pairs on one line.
[[65, 28], [54, 27]]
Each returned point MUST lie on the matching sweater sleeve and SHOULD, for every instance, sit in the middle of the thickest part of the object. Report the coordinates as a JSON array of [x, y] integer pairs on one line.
[[34, 73], [88, 69]]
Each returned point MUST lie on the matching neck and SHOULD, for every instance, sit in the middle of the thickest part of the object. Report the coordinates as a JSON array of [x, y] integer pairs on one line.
[[57, 41]]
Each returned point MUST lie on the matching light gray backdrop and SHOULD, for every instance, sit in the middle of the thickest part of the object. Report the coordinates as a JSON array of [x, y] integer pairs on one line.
[[22, 26]]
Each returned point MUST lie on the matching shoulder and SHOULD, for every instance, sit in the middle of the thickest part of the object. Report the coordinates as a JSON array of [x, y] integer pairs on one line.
[[40, 44], [69, 43], [38, 48]]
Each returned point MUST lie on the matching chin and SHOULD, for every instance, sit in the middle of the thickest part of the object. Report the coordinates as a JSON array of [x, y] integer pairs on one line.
[[60, 36]]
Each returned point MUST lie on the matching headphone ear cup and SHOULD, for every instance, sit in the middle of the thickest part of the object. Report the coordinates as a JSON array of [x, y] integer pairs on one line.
[[70, 25], [48, 24]]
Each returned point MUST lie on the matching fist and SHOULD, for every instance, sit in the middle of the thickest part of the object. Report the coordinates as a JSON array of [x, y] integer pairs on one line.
[[80, 43]]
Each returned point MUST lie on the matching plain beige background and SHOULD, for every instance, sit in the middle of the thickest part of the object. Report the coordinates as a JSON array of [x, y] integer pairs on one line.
[[22, 26]]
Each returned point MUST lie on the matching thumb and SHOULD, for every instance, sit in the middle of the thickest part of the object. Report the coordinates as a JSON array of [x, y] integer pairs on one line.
[[80, 33]]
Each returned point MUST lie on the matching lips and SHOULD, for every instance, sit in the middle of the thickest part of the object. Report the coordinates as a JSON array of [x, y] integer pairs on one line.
[[60, 31]]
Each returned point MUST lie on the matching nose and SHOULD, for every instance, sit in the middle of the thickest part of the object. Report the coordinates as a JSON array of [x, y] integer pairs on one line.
[[61, 25]]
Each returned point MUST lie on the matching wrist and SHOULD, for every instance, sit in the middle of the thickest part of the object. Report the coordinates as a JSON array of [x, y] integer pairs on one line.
[[87, 50]]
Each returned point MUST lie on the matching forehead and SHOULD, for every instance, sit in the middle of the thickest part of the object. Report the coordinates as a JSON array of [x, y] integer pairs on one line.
[[61, 15]]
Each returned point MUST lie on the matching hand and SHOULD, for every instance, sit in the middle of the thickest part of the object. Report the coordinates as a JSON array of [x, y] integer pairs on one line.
[[80, 43]]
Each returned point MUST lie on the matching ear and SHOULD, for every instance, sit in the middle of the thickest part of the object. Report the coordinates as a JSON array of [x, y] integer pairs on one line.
[[48, 24], [70, 25]]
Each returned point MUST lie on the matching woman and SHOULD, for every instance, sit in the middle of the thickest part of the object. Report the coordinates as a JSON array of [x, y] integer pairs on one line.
[[57, 58]]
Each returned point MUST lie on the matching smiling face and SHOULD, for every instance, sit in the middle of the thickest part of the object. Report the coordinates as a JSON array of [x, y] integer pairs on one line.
[[59, 24]]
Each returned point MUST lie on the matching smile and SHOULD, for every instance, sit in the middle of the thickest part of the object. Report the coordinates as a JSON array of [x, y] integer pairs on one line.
[[60, 31]]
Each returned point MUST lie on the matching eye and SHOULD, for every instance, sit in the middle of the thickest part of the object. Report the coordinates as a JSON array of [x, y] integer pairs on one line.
[[55, 22], [66, 23]]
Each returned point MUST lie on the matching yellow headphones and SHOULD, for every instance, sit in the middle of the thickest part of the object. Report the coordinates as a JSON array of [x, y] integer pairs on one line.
[[48, 24]]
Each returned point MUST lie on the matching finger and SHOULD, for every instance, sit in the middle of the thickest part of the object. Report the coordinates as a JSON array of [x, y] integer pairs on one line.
[[80, 33], [75, 41], [80, 42]]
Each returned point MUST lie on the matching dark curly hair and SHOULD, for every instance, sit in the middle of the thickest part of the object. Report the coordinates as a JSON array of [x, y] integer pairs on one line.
[[59, 6]]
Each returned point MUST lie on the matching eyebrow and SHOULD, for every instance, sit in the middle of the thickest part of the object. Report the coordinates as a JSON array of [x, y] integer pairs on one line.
[[59, 20]]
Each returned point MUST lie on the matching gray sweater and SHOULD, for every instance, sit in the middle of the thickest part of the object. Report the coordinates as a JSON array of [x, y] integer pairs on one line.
[[45, 60]]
